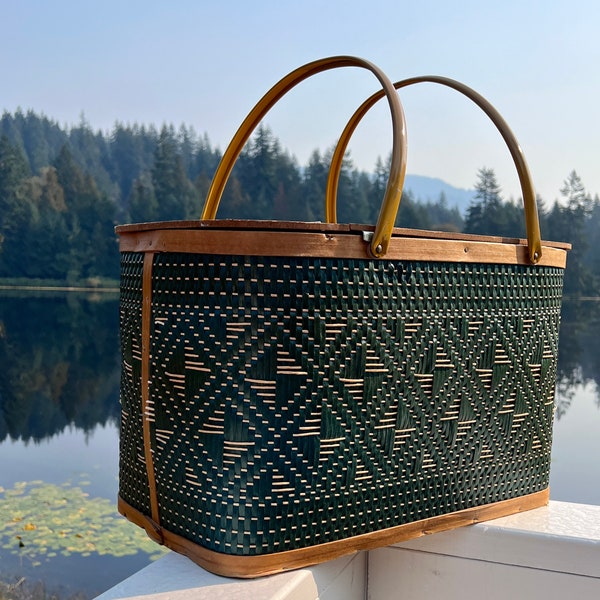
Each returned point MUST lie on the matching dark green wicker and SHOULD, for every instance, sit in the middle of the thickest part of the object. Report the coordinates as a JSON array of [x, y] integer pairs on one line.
[[301, 401]]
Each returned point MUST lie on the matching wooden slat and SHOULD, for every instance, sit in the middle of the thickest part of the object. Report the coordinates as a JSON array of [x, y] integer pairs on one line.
[[236, 224], [268, 564], [331, 245], [145, 383]]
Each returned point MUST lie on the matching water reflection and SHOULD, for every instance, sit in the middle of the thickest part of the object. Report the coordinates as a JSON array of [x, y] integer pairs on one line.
[[58, 364], [59, 361], [578, 353]]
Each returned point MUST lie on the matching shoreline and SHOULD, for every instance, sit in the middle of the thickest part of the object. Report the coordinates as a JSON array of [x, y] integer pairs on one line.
[[58, 288]]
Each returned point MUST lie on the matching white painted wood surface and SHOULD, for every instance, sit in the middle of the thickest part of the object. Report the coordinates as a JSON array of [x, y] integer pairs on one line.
[[175, 577], [547, 553]]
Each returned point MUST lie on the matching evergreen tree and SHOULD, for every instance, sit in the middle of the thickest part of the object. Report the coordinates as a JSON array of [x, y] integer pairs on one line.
[[9, 129], [90, 222], [567, 223], [205, 160], [362, 184], [257, 173], [174, 192], [592, 256], [91, 152], [38, 138], [127, 158], [314, 182], [543, 212], [35, 142], [13, 169], [235, 203], [16, 212], [143, 206], [511, 220], [377, 189], [269, 182], [483, 212], [44, 233], [352, 205], [49, 233], [412, 214], [187, 145], [288, 204]]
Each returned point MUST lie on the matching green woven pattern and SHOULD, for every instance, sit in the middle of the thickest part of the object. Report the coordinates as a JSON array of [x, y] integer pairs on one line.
[[300, 401], [133, 477]]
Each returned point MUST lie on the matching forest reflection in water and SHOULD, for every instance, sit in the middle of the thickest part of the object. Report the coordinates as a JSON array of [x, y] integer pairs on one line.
[[579, 352], [59, 357], [59, 410]]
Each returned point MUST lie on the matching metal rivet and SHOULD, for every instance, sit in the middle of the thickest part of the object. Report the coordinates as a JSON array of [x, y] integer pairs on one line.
[[379, 249]]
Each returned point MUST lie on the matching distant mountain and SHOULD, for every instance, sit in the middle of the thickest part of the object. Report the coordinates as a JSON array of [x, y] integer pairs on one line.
[[430, 188]]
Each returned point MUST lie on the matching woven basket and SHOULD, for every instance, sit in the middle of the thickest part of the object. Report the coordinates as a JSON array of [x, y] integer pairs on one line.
[[293, 392]]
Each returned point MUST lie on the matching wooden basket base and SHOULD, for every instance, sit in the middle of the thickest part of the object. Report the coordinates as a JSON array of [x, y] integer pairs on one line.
[[267, 564]]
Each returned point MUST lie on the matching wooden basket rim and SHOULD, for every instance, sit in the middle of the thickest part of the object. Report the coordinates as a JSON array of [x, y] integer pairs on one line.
[[317, 226]]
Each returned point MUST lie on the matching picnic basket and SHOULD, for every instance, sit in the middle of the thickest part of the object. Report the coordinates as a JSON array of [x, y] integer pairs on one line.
[[292, 391]]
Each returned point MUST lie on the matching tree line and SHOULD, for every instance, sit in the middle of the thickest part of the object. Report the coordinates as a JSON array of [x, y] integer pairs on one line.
[[63, 189]]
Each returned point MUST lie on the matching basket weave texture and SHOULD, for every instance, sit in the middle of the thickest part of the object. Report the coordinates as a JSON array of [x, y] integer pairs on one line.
[[297, 401]]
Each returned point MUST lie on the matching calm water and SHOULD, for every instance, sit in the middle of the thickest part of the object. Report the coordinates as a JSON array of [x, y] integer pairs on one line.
[[59, 393], [59, 388]]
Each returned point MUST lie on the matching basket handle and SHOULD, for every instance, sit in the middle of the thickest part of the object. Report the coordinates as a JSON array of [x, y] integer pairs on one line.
[[393, 192], [529, 200]]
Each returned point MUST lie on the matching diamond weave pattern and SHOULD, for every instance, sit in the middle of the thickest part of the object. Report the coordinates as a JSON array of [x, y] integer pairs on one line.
[[299, 401]]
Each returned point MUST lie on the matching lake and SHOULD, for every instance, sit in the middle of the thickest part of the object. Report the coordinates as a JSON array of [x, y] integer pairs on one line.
[[59, 411]]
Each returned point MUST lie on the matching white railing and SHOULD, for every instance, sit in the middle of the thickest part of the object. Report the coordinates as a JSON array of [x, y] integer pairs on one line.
[[547, 553]]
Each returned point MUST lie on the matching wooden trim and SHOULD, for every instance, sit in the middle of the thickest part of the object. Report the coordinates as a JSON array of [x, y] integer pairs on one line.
[[268, 564], [229, 224], [147, 412], [300, 226], [337, 244]]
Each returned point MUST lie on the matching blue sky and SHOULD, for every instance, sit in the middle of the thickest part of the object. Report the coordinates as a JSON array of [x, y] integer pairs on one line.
[[206, 63]]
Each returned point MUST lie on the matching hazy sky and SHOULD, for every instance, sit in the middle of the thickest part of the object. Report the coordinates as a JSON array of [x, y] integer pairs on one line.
[[205, 63]]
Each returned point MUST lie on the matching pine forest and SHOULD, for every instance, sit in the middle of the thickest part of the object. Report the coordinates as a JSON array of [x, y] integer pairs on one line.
[[63, 190]]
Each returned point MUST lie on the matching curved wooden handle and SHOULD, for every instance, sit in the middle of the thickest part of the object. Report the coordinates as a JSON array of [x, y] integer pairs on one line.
[[391, 200], [529, 200]]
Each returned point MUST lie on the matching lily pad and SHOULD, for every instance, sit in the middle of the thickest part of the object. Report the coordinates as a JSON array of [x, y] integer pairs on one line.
[[42, 520]]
